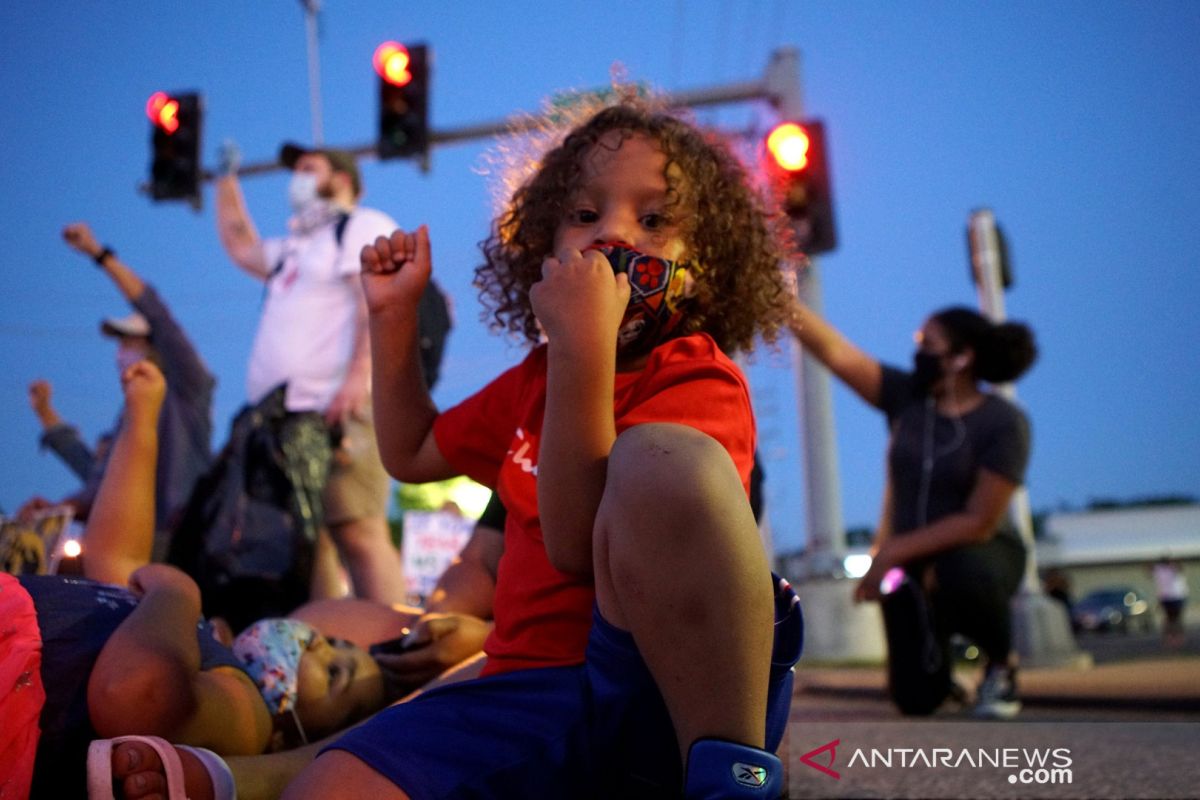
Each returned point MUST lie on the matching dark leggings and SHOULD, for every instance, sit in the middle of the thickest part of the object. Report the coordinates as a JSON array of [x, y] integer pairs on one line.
[[971, 591]]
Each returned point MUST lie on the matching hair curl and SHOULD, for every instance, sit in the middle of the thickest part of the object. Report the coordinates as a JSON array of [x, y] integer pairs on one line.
[[737, 240], [1003, 351]]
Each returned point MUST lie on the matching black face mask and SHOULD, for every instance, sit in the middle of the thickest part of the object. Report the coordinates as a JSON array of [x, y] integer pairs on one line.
[[927, 368]]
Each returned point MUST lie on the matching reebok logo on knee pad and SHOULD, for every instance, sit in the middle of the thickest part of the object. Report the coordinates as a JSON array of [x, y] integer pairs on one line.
[[722, 770], [750, 775]]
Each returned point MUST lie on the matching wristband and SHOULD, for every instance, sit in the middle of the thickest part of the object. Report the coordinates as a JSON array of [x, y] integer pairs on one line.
[[103, 254]]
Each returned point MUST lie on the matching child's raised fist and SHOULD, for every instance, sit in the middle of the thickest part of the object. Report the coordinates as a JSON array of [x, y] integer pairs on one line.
[[395, 269], [144, 387]]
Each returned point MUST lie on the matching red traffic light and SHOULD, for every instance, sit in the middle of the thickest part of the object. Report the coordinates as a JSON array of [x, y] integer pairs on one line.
[[798, 169], [163, 111], [789, 145], [392, 63]]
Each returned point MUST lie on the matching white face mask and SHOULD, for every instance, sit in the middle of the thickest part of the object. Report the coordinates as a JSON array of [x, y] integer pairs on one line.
[[127, 357], [302, 190]]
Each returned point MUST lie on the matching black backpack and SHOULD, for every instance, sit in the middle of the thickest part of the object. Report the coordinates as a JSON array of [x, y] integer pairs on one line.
[[247, 532]]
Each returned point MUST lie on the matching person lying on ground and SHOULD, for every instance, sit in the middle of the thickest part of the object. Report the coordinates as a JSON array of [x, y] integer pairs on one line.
[[100, 660], [440, 647]]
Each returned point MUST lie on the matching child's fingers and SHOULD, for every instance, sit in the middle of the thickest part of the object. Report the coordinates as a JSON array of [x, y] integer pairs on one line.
[[368, 258], [422, 250], [143, 373], [623, 287], [377, 258], [403, 247], [550, 265], [568, 255]]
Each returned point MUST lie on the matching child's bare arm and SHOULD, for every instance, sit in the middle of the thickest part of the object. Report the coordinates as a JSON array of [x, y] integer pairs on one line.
[[147, 678], [395, 271], [120, 530], [142, 679], [579, 303]]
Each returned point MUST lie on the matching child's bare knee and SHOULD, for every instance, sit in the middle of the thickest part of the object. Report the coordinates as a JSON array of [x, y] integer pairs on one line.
[[668, 484], [662, 462]]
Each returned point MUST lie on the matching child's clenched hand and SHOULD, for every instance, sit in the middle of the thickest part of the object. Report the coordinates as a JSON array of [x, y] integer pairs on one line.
[[395, 270], [579, 301], [144, 388]]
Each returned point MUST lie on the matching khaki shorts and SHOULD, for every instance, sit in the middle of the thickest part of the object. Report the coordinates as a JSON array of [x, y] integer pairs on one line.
[[358, 484]]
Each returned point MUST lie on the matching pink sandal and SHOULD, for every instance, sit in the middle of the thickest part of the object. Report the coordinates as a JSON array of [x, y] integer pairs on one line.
[[100, 777]]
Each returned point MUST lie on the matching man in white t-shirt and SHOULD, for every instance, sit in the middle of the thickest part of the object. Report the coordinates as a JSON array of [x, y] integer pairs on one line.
[[312, 335]]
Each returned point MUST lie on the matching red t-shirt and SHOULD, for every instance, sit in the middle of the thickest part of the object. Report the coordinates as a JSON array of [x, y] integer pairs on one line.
[[543, 616]]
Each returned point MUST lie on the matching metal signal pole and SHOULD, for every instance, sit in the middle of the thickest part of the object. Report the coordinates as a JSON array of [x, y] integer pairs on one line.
[[1041, 631], [825, 538], [311, 8]]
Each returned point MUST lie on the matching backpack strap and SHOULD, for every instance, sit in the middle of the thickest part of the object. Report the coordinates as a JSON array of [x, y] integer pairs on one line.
[[339, 232], [339, 228]]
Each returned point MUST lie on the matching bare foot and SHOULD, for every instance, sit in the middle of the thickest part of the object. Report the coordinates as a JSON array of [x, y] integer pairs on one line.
[[139, 774]]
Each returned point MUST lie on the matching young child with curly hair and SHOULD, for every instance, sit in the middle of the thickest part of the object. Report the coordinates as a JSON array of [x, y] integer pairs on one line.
[[641, 644]]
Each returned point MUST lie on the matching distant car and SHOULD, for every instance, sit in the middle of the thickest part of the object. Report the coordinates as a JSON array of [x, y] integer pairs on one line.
[[1113, 609]]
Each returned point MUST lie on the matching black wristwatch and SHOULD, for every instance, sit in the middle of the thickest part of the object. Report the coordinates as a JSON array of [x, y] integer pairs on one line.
[[103, 254]]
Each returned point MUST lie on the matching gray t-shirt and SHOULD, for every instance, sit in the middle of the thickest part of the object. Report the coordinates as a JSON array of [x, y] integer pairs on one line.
[[934, 460]]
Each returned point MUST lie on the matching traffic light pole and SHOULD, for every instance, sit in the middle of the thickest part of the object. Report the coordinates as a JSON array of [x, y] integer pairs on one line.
[[311, 7], [772, 88], [825, 535], [984, 239], [1041, 631]]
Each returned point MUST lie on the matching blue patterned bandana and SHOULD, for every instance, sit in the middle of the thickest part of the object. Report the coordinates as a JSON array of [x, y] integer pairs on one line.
[[270, 650]]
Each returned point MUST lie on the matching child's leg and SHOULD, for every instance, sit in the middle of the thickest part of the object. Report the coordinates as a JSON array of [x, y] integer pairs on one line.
[[680, 565], [341, 775]]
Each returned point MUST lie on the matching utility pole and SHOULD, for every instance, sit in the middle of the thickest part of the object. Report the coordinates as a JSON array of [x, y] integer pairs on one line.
[[825, 538], [1041, 630], [311, 9]]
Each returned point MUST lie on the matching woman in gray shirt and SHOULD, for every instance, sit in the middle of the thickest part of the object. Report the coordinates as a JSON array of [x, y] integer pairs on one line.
[[957, 453]]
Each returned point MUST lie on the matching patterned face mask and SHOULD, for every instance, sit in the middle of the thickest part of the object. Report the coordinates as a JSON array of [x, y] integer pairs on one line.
[[270, 650], [657, 297]]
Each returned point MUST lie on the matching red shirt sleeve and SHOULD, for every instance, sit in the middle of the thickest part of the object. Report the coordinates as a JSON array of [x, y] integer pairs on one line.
[[475, 434]]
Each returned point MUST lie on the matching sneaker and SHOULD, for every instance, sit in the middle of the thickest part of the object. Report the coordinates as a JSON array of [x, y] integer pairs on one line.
[[997, 695]]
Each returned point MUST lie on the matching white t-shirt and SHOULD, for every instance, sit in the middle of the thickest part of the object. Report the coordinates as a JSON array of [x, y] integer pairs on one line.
[[1170, 582], [309, 319]]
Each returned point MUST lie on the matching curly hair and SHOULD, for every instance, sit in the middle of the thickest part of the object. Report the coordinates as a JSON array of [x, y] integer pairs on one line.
[[735, 237], [1003, 351]]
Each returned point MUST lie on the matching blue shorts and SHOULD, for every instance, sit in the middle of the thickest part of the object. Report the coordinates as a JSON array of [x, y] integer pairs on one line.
[[599, 729]]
